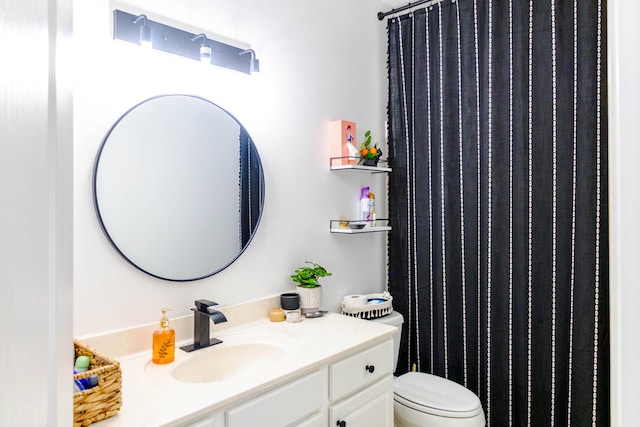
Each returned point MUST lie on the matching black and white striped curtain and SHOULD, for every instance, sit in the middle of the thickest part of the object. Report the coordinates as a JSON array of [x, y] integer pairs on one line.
[[498, 257]]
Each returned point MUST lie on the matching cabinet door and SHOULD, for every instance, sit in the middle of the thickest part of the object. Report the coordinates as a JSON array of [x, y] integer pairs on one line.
[[283, 406], [372, 407], [318, 420]]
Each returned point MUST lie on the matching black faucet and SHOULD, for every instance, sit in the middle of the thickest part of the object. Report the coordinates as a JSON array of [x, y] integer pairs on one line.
[[202, 313]]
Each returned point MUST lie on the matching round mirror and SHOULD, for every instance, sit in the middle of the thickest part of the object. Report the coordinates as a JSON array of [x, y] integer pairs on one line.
[[178, 187]]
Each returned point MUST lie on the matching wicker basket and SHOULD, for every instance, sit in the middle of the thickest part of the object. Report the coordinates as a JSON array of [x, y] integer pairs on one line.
[[105, 399]]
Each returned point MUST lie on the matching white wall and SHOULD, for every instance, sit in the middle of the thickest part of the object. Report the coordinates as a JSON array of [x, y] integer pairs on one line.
[[320, 61], [624, 175], [328, 66]]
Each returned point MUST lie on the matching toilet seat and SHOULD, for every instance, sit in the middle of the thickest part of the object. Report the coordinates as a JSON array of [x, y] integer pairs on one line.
[[435, 395]]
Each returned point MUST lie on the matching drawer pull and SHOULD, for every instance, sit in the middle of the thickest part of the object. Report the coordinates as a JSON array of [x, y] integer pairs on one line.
[[370, 368], [341, 423]]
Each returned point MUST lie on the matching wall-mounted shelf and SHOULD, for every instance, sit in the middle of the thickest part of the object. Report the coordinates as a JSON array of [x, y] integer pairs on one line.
[[341, 226], [338, 163]]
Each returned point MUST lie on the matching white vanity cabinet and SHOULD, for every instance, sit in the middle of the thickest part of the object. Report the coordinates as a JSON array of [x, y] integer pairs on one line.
[[355, 391], [331, 371], [318, 420]]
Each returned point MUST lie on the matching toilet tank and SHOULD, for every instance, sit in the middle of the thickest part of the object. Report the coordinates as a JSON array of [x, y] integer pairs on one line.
[[393, 319]]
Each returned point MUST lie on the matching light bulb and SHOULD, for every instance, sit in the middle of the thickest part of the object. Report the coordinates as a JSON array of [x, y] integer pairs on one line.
[[205, 54]]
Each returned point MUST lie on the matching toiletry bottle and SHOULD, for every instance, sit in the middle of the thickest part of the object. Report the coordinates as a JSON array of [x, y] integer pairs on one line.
[[164, 341], [364, 204], [81, 365], [372, 209]]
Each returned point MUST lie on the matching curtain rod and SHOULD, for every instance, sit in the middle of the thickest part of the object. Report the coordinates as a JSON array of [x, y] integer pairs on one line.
[[381, 15]]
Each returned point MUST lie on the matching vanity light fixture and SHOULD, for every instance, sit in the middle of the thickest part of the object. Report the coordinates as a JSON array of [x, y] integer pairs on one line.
[[173, 40], [254, 64], [205, 50], [146, 33]]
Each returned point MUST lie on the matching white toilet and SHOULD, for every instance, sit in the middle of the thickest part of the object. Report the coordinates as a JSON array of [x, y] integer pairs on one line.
[[425, 400]]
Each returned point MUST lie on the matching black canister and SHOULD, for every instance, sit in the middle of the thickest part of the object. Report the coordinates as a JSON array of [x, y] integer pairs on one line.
[[290, 301]]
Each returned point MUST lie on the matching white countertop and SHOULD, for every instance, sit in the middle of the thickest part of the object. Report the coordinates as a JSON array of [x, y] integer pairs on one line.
[[152, 397]]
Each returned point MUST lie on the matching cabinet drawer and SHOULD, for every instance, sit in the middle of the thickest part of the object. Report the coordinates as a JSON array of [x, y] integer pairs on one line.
[[282, 406], [372, 406], [359, 370]]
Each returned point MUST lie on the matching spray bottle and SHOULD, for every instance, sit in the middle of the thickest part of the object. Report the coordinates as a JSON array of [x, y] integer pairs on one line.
[[365, 204], [372, 209]]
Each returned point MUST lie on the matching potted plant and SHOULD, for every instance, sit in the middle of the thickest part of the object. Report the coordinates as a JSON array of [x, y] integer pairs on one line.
[[309, 288], [369, 152]]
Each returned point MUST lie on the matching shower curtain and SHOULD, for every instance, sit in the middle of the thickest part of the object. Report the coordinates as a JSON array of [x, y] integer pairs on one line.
[[251, 187], [498, 258]]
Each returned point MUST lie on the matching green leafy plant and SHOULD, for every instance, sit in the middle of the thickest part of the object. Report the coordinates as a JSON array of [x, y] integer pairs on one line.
[[307, 277]]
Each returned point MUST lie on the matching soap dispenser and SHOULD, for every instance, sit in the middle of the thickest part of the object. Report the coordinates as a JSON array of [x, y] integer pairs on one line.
[[164, 341]]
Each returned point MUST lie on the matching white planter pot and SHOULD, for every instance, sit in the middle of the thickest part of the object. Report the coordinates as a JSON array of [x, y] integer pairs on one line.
[[310, 299]]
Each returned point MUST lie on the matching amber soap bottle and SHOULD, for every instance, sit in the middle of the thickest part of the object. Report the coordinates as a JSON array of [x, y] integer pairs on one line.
[[164, 341]]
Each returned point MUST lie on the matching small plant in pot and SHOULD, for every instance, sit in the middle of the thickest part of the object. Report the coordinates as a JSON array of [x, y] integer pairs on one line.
[[369, 151], [309, 288]]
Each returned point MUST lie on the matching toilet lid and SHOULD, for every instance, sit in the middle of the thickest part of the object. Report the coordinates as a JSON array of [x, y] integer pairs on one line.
[[433, 394]]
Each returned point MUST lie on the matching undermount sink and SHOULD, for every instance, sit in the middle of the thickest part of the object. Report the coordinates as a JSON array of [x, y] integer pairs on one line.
[[235, 356]]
